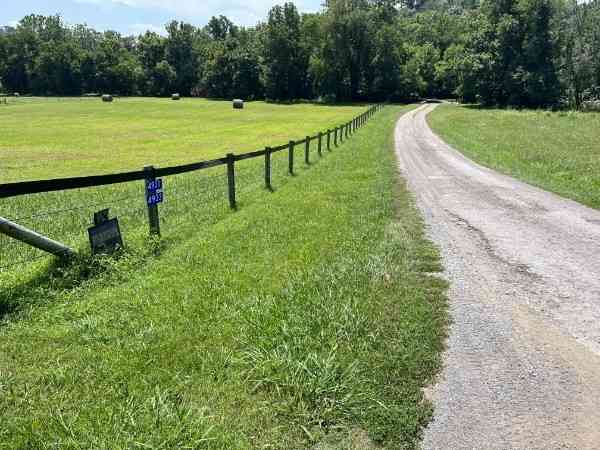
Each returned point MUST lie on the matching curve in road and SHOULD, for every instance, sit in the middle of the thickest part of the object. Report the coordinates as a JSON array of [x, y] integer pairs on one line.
[[522, 368]]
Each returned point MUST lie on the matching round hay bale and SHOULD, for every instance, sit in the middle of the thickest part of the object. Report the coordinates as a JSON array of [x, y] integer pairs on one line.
[[238, 104], [175, 97], [17, 94], [107, 98]]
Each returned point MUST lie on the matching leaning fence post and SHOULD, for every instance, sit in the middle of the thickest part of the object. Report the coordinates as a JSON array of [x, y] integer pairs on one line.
[[153, 218], [320, 144], [328, 139], [291, 158], [335, 140], [34, 239], [268, 169], [231, 180], [307, 151]]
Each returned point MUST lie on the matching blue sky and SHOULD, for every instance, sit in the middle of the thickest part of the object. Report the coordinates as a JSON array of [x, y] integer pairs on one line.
[[135, 16]]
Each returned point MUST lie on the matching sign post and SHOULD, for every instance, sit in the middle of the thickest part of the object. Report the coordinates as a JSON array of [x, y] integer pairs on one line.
[[154, 196]]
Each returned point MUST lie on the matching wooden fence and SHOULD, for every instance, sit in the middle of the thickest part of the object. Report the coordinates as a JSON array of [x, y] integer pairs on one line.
[[323, 140]]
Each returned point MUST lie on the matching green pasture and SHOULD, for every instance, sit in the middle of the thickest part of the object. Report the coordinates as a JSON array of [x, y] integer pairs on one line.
[[51, 138]]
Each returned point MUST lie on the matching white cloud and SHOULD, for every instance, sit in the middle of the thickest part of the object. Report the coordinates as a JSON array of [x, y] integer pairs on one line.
[[141, 28]]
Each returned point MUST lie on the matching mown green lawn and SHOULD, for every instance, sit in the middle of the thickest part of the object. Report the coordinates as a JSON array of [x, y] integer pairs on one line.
[[51, 138], [557, 151], [309, 318]]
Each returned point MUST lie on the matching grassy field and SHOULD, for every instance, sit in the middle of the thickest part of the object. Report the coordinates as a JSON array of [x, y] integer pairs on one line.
[[58, 137], [557, 151], [307, 319], [69, 137]]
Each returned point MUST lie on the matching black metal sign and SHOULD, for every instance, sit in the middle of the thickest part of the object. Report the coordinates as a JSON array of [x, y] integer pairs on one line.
[[105, 236]]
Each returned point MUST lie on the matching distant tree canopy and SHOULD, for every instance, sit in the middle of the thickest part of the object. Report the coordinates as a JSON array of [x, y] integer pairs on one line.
[[533, 53]]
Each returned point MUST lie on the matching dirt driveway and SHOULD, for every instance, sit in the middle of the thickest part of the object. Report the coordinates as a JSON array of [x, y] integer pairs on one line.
[[522, 370]]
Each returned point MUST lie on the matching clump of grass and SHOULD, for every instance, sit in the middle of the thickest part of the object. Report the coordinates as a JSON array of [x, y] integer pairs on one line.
[[306, 319], [557, 151]]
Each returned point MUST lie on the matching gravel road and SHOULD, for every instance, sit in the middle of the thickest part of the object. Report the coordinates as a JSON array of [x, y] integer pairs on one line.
[[522, 369]]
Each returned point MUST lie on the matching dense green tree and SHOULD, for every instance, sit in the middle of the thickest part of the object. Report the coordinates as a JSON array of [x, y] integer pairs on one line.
[[286, 61], [579, 60], [159, 75], [343, 71], [182, 55], [219, 28], [533, 53], [232, 70]]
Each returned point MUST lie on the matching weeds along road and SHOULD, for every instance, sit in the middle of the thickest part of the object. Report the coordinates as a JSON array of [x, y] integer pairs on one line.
[[522, 369]]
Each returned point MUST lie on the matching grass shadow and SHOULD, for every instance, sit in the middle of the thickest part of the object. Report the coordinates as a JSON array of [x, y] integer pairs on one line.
[[61, 277]]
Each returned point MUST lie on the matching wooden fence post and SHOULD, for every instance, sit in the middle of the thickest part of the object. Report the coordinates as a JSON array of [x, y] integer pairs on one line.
[[320, 144], [153, 218], [268, 184], [291, 158], [307, 151], [328, 139], [231, 180], [335, 143]]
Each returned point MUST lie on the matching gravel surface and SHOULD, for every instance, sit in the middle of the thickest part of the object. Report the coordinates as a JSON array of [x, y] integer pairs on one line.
[[522, 369]]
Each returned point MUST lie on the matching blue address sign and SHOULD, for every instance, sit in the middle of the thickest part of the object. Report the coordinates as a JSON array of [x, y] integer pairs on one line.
[[154, 192]]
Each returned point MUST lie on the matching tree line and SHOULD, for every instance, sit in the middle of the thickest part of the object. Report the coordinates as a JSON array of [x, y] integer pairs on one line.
[[532, 53]]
